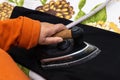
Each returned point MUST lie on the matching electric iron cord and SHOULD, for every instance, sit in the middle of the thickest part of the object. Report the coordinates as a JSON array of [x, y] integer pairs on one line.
[[88, 15]]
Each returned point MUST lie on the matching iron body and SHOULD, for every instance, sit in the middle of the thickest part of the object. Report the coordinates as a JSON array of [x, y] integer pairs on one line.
[[69, 52]]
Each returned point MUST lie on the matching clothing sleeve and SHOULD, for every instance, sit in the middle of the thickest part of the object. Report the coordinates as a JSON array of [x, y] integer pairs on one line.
[[9, 70], [21, 31]]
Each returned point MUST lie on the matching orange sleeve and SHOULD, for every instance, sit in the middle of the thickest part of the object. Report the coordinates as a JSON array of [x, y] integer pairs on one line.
[[9, 69], [21, 31]]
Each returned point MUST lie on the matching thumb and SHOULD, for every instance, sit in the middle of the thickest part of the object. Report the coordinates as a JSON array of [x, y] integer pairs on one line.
[[52, 40]]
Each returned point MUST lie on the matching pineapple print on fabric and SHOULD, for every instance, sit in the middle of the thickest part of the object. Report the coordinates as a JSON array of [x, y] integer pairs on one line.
[[5, 10], [59, 8]]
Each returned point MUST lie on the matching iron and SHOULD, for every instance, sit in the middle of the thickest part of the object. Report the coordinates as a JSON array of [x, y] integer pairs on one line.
[[71, 51]]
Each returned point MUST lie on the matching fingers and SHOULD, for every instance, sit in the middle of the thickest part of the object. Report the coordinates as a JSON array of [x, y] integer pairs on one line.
[[58, 28], [47, 32], [51, 40]]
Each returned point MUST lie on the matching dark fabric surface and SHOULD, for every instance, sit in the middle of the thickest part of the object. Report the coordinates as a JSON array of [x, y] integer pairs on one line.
[[103, 67]]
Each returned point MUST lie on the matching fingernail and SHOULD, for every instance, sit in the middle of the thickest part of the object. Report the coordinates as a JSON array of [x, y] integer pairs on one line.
[[60, 40]]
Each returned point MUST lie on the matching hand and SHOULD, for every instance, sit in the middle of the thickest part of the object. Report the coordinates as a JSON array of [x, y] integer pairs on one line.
[[47, 30]]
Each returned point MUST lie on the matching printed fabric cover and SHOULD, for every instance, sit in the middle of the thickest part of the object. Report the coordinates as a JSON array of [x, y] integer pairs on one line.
[[108, 18]]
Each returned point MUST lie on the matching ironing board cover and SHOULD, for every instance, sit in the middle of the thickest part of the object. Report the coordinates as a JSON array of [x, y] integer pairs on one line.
[[104, 66]]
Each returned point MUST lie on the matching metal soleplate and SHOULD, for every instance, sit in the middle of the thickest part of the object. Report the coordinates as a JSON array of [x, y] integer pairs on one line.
[[78, 57]]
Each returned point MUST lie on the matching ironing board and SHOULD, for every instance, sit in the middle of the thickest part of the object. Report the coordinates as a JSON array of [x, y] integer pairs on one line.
[[104, 67]]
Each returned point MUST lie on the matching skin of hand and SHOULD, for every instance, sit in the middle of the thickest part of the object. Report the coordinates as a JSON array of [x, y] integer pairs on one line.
[[47, 30]]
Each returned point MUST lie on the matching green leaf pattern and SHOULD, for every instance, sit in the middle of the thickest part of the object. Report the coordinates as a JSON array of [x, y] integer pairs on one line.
[[43, 1], [80, 6], [17, 2], [100, 16], [24, 69]]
